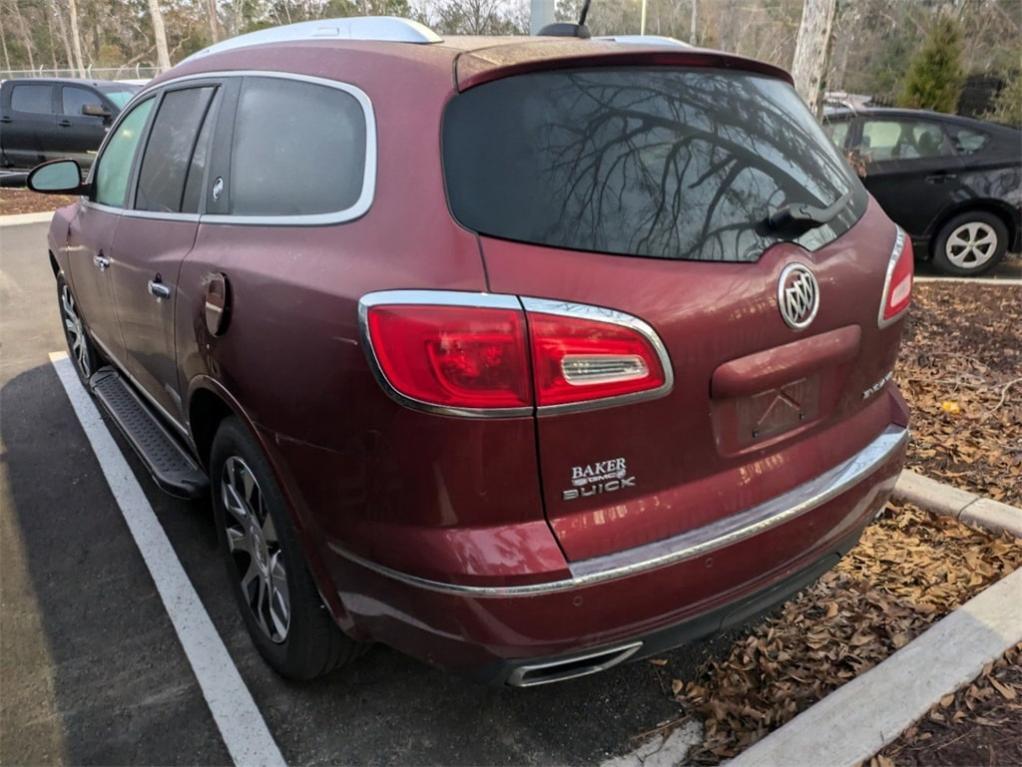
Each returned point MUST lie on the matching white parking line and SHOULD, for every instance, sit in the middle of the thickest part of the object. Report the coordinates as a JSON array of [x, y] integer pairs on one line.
[[240, 722]]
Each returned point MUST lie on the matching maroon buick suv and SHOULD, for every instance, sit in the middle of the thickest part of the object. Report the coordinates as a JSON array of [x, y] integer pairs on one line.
[[524, 356]]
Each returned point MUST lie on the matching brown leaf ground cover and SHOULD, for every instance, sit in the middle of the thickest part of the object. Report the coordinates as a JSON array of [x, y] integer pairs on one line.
[[960, 369], [23, 201], [980, 724], [909, 570]]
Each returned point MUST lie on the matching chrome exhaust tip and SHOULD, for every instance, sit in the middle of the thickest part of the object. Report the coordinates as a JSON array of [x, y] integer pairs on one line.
[[535, 674]]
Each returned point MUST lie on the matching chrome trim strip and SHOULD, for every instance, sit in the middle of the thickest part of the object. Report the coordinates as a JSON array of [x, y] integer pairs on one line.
[[162, 410], [360, 207], [432, 298], [892, 261], [620, 654], [613, 317], [694, 543]]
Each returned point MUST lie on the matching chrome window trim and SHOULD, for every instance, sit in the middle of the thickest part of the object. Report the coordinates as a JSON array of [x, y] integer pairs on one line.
[[432, 298], [613, 317], [353, 212], [892, 261], [694, 543]]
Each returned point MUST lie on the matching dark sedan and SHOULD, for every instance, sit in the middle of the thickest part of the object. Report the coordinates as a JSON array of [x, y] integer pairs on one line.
[[955, 184]]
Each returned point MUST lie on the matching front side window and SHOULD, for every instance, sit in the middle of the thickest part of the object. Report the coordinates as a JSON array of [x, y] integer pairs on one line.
[[168, 152], [73, 99], [641, 161], [113, 169], [32, 99], [299, 149]]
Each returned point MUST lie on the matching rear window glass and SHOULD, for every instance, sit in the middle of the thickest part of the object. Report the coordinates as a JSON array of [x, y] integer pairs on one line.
[[32, 99], [657, 162]]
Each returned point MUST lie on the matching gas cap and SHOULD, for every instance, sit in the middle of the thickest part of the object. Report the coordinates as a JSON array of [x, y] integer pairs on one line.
[[217, 303]]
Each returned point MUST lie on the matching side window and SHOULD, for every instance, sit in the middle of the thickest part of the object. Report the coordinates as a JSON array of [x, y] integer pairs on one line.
[[113, 171], [299, 149], [32, 99], [902, 140], [200, 158], [73, 99], [161, 180], [966, 141], [837, 132]]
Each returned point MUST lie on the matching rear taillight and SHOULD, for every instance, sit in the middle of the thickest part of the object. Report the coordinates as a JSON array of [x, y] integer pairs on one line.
[[583, 354], [482, 354], [898, 285]]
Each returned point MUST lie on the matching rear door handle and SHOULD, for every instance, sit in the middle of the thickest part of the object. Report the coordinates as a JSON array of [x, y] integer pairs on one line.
[[101, 261], [940, 178], [158, 289], [64, 123], [5, 119]]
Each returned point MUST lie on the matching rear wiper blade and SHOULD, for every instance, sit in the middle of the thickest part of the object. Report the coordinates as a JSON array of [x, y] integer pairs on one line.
[[806, 216]]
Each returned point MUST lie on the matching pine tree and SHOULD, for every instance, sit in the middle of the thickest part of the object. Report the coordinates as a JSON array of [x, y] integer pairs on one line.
[[935, 79]]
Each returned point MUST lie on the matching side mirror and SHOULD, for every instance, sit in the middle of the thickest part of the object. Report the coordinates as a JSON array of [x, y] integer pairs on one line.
[[95, 110], [57, 177]]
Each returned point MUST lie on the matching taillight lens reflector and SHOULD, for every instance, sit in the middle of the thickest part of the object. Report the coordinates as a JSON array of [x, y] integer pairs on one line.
[[578, 360], [898, 285], [455, 356]]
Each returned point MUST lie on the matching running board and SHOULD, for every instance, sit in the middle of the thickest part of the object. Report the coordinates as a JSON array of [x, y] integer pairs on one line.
[[169, 463]]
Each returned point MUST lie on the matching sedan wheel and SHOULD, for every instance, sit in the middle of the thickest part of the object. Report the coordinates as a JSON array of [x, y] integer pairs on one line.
[[253, 542], [971, 245]]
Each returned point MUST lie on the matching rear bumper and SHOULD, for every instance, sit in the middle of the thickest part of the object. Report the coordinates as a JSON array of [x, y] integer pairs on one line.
[[644, 599]]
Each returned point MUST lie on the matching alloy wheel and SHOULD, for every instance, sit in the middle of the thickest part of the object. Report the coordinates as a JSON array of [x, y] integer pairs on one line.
[[971, 245], [74, 330], [253, 542]]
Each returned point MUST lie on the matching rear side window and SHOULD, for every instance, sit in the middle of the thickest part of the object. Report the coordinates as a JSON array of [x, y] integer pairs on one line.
[[902, 140], [110, 183], [168, 153], [32, 99], [965, 140], [643, 161], [299, 149]]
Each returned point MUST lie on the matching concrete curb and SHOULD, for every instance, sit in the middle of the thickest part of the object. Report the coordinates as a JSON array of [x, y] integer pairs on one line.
[[948, 501], [1007, 281], [857, 720], [18, 219]]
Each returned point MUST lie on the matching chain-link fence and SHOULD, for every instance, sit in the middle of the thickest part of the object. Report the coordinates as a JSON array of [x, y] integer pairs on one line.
[[135, 72]]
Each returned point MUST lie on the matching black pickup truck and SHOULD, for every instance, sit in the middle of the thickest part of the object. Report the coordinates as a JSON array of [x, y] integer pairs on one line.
[[43, 119]]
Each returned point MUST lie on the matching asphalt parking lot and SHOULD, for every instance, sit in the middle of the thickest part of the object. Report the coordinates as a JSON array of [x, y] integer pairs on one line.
[[93, 671], [92, 668]]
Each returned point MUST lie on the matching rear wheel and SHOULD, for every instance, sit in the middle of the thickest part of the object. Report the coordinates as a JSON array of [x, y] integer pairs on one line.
[[970, 244], [83, 352], [281, 607]]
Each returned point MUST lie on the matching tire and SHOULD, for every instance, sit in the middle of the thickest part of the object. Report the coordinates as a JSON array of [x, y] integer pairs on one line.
[[970, 244], [286, 619], [83, 353]]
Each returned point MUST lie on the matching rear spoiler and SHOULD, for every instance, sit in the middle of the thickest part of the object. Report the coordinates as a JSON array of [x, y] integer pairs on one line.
[[474, 68]]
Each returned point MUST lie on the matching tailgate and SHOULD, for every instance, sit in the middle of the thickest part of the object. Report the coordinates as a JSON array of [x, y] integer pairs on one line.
[[650, 191]]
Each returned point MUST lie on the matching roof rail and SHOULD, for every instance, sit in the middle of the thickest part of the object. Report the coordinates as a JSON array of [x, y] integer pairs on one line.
[[643, 40], [382, 28]]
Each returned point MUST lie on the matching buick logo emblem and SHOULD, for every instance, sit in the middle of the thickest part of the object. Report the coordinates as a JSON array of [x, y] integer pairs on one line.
[[798, 296]]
